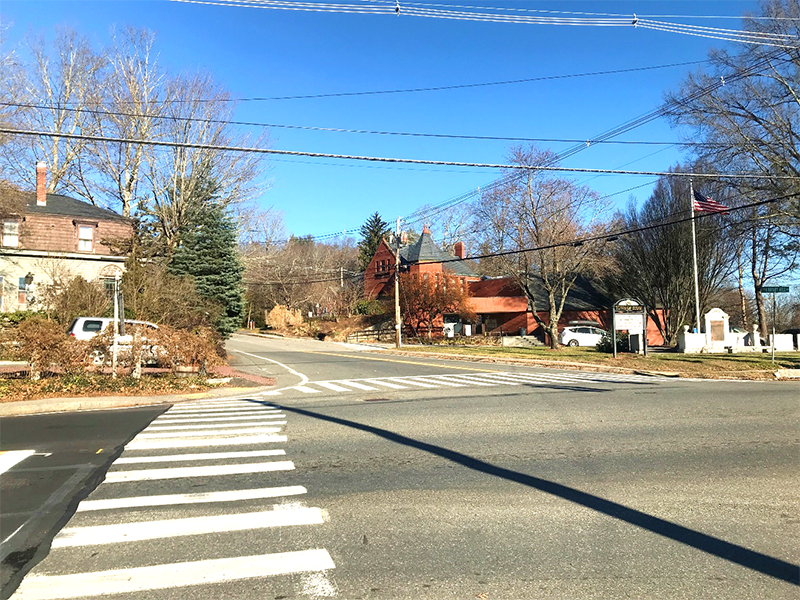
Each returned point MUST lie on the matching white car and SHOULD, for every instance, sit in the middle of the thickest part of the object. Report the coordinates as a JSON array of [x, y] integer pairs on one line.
[[581, 335], [85, 328]]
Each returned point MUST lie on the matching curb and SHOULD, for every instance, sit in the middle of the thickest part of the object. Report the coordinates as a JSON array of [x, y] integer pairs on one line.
[[56, 405]]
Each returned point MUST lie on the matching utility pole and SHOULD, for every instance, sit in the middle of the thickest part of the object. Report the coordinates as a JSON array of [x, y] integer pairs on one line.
[[397, 324]]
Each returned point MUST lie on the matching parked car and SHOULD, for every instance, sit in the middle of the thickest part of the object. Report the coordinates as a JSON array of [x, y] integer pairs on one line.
[[85, 328], [580, 336]]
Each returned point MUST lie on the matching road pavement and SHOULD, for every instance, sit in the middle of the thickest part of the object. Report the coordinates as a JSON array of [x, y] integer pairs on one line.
[[370, 476]]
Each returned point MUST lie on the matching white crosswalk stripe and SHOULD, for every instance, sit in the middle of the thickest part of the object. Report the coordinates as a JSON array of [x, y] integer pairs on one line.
[[477, 379], [225, 442]]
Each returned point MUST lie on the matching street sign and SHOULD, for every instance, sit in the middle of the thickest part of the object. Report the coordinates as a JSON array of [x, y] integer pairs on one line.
[[775, 289]]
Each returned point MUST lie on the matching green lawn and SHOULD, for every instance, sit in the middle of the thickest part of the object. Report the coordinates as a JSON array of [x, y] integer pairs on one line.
[[694, 365]]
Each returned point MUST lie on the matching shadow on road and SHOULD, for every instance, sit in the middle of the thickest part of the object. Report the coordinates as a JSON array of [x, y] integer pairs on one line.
[[734, 553]]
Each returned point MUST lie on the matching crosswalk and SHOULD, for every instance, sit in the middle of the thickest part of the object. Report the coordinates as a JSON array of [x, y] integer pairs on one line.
[[466, 380], [174, 506]]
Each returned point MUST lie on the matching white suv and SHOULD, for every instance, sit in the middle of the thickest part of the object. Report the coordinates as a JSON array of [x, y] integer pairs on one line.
[[85, 328], [581, 335]]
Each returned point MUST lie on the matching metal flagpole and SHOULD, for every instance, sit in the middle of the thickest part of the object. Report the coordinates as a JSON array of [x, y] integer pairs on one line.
[[694, 255]]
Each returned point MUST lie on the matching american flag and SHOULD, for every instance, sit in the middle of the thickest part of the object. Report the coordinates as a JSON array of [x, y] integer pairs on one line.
[[705, 204]]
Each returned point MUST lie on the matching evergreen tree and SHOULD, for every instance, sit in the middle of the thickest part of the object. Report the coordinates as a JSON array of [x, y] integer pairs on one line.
[[208, 253], [371, 234]]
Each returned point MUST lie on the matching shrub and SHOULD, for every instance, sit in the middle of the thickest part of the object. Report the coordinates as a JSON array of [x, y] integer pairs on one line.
[[368, 307], [606, 343], [174, 348], [281, 317], [44, 345]]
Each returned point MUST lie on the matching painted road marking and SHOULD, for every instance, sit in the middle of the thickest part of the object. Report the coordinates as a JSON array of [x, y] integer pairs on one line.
[[439, 379], [196, 498], [413, 382], [13, 457], [359, 386], [332, 386], [138, 579], [202, 456], [388, 384], [250, 408], [155, 530], [473, 379], [177, 420], [182, 443], [221, 426], [206, 471], [218, 432], [306, 390]]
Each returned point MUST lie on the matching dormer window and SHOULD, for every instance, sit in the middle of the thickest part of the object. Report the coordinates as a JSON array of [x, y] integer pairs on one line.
[[10, 233], [85, 238]]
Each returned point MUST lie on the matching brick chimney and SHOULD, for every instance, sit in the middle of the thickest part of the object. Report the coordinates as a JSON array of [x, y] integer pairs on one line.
[[460, 250], [41, 183]]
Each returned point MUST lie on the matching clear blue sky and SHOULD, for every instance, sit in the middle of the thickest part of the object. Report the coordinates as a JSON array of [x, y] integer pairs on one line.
[[257, 52]]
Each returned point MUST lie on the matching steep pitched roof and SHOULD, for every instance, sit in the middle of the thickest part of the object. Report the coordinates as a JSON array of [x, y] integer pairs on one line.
[[70, 207], [426, 250], [584, 295]]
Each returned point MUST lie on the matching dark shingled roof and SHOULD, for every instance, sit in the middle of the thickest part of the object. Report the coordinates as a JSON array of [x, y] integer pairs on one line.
[[70, 207], [584, 295], [426, 250]]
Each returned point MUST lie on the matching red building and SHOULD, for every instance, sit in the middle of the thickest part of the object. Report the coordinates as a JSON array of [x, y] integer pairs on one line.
[[500, 303], [423, 256]]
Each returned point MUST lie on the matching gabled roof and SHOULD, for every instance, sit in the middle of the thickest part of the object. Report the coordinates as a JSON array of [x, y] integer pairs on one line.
[[64, 206], [425, 250], [584, 295]]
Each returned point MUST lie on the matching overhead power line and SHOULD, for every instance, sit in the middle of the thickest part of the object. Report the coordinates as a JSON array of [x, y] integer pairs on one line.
[[415, 161], [519, 17], [665, 222]]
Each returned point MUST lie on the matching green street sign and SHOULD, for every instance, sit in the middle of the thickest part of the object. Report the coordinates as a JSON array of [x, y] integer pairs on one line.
[[775, 289]]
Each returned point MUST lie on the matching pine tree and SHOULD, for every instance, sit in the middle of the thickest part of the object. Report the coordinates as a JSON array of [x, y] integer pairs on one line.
[[372, 233], [208, 253]]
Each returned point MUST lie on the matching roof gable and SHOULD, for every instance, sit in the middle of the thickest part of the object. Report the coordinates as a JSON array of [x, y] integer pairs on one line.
[[65, 206]]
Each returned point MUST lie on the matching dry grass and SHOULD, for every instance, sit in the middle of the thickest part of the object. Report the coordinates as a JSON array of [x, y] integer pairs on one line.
[[711, 366]]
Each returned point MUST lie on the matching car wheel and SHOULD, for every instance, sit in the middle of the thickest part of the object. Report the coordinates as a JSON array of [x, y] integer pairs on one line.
[[98, 358], [572, 343]]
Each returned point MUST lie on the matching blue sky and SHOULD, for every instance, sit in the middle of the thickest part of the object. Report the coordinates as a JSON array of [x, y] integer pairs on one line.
[[268, 53]]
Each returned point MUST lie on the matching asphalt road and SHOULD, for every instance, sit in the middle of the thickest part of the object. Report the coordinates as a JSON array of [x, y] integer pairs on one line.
[[52, 461], [365, 475]]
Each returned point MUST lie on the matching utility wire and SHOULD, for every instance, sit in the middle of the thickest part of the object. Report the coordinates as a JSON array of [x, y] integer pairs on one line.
[[416, 161], [574, 242], [474, 14]]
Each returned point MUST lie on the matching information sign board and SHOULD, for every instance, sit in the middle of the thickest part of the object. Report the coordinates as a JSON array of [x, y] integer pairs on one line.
[[775, 289]]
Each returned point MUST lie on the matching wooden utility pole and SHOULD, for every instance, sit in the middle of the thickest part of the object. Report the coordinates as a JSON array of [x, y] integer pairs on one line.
[[397, 322]]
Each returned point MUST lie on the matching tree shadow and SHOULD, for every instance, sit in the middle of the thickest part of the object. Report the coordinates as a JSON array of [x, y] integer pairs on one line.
[[750, 559]]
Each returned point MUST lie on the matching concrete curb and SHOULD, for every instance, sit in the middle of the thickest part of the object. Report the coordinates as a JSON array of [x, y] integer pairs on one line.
[[54, 405]]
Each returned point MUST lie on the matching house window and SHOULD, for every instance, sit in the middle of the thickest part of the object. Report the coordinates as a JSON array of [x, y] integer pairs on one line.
[[85, 238], [22, 291], [11, 233]]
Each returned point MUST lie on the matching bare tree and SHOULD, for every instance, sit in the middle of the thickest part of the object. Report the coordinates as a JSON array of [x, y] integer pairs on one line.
[[536, 211], [51, 95], [654, 265], [111, 173], [195, 112]]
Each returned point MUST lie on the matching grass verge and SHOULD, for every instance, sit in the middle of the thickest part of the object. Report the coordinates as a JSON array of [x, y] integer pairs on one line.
[[712, 366]]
